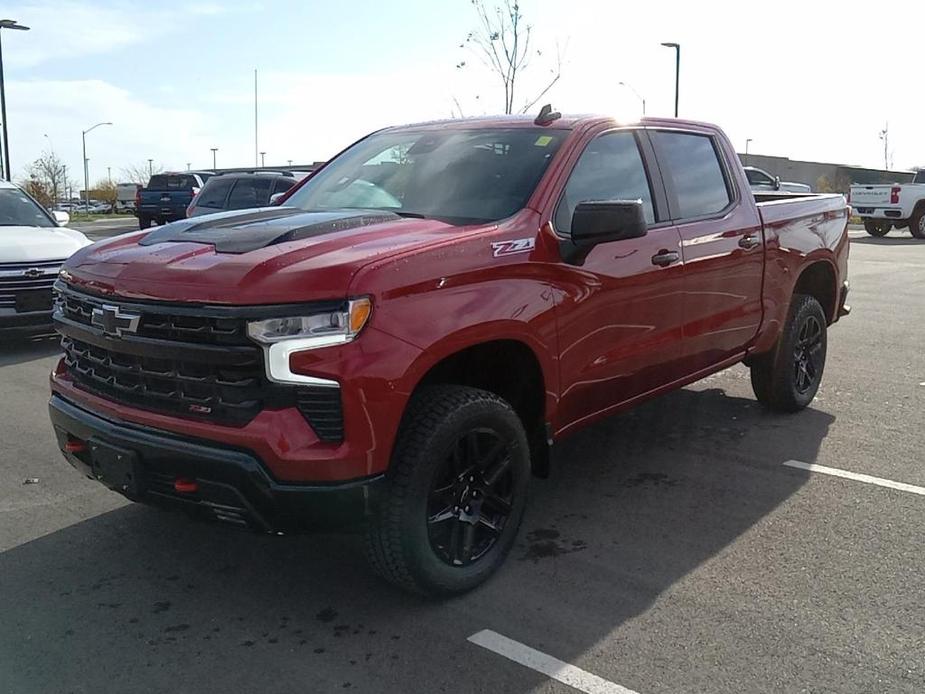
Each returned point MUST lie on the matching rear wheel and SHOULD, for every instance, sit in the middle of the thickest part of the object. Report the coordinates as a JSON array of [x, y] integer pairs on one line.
[[456, 495], [144, 222], [787, 379], [917, 223], [876, 227]]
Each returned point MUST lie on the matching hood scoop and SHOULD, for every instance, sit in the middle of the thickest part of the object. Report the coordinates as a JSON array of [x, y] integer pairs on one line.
[[242, 232]]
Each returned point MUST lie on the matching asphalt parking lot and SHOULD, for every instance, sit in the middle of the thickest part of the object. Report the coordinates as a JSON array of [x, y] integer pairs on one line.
[[672, 550]]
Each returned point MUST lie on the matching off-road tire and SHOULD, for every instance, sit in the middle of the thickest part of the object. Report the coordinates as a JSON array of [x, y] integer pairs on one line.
[[777, 380], [398, 540]]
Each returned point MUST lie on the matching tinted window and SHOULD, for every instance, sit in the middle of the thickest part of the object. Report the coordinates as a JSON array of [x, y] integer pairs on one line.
[[18, 209], [459, 176], [757, 178], [610, 168], [919, 177], [172, 182], [283, 184], [214, 193], [250, 192], [692, 168]]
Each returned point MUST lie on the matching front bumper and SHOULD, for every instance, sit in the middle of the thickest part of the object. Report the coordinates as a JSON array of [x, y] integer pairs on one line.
[[32, 322], [231, 484]]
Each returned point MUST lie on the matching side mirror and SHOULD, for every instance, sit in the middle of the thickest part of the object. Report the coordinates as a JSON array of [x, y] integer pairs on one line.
[[61, 217], [602, 222], [777, 183], [275, 198]]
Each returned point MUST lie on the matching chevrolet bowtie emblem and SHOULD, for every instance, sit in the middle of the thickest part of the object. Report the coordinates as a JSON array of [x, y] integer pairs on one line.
[[112, 321], [33, 273]]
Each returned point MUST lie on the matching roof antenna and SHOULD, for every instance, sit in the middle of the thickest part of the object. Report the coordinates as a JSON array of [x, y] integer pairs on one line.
[[547, 115]]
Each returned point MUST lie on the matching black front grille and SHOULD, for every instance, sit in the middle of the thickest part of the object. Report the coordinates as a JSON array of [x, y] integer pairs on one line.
[[321, 407], [17, 278], [191, 362], [231, 394]]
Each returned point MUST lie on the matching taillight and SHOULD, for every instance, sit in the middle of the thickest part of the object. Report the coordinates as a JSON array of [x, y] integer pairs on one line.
[[894, 195], [138, 198]]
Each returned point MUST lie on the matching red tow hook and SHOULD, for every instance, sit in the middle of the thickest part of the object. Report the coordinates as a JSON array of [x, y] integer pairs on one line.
[[184, 485], [75, 446]]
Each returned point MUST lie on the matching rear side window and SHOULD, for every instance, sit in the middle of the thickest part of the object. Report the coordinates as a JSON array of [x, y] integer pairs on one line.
[[610, 168], [250, 192], [283, 184], [214, 193], [692, 166]]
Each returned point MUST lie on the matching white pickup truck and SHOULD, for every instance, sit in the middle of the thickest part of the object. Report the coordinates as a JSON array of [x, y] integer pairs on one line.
[[883, 207]]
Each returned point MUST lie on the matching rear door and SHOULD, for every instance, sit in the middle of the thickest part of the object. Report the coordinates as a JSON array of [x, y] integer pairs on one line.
[[723, 246], [620, 321]]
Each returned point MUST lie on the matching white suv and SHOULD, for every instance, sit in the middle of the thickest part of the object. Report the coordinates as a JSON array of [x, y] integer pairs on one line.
[[883, 207], [33, 244]]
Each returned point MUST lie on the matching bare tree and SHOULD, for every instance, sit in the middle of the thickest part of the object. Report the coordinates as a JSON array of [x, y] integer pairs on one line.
[[140, 173], [502, 42], [46, 180]]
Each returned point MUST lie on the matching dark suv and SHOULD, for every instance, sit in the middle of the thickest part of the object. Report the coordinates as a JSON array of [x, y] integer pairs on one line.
[[239, 191]]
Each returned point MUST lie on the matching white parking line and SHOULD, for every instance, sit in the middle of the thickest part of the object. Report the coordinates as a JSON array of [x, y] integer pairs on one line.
[[868, 479], [551, 667]]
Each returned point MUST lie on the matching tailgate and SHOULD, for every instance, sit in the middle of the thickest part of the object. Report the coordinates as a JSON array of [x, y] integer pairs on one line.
[[163, 200], [871, 196]]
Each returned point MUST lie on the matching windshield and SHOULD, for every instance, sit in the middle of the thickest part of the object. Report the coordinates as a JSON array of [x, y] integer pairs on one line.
[[459, 176], [18, 209]]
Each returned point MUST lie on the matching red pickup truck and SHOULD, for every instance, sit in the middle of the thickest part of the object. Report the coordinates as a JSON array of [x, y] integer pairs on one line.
[[402, 339]]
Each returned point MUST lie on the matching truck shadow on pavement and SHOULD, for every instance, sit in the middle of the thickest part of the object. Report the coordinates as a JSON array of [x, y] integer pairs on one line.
[[888, 241], [128, 600]]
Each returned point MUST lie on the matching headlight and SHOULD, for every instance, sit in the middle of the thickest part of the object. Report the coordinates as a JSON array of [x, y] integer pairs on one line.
[[329, 328], [281, 337]]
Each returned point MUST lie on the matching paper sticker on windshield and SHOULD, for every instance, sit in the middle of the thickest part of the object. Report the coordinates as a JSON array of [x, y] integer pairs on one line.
[[543, 140], [502, 248]]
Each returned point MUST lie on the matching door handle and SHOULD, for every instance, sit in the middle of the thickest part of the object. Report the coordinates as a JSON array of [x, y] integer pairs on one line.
[[665, 258], [749, 241]]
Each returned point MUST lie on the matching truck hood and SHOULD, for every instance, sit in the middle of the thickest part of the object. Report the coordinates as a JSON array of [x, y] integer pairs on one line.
[[26, 244], [266, 256]]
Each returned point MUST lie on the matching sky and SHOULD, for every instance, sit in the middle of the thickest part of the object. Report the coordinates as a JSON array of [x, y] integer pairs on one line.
[[800, 79]]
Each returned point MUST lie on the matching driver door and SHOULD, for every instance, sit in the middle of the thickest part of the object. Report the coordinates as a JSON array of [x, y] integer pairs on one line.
[[620, 322]]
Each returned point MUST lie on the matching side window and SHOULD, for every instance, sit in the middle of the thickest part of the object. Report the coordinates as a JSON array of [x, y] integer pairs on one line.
[[214, 193], [692, 167], [756, 178], [243, 195], [262, 190], [283, 184], [610, 168]]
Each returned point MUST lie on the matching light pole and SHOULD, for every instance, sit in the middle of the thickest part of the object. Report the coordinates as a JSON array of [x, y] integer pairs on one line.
[[747, 143], [214, 150], [188, 164], [290, 161], [150, 168], [638, 95], [677, 72], [5, 169], [83, 138], [263, 159]]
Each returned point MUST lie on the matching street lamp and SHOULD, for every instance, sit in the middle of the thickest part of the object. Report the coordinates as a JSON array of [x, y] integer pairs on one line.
[[638, 95], [747, 143], [214, 150], [83, 138], [150, 168], [263, 159], [5, 169], [677, 72], [188, 164]]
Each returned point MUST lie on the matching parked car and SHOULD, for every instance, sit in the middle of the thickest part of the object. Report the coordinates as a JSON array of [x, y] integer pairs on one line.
[[33, 245], [883, 207], [167, 196], [402, 341], [239, 191], [125, 196], [761, 180]]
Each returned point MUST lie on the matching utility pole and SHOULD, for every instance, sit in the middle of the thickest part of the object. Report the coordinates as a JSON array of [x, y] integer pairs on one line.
[[885, 136], [109, 174], [255, 116]]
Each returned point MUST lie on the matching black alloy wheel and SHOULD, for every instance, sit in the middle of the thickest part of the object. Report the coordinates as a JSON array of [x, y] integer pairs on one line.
[[470, 499], [808, 355]]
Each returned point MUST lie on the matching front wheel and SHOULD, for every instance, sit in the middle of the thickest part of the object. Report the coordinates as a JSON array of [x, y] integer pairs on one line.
[[787, 379], [877, 228], [456, 492]]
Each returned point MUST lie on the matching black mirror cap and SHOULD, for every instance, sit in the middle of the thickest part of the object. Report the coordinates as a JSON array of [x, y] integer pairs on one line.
[[602, 221]]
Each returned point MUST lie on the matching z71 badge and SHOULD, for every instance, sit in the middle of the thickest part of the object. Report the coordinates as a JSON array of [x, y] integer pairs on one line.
[[501, 248]]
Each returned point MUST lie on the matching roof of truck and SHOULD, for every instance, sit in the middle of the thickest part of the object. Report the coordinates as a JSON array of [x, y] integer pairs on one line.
[[563, 122]]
